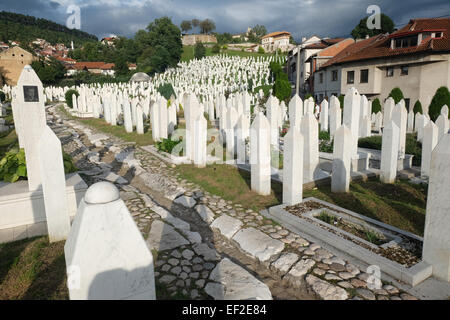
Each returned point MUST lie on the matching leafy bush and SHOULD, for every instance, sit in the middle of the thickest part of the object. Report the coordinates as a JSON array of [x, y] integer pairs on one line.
[[261, 50], [68, 96], [417, 107], [440, 98], [396, 94], [13, 165], [412, 146], [167, 145], [324, 135], [282, 89], [376, 106], [2, 96], [215, 48], [166, 90], [308, 95], [326, 146], [199, 50]]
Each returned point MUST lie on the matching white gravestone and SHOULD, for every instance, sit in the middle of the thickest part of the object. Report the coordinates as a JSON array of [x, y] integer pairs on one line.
[[106, 256], [399, 116], [436, 244], [335, 115], [430, 140], [200, 134], [293, 166], [324, 116], [139, 120], [295, 111], [389, 153], [54, 186], [260, 155], [310, 131], [31, 115], [352, 109], [340, 173]]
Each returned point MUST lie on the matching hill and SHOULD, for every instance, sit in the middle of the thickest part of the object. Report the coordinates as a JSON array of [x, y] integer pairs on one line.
[[24, 29]]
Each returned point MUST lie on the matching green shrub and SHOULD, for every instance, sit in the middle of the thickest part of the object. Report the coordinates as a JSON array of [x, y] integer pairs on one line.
[[166, 90], [341, 100], [261, 50], [440, 98], [225, 47], [13, 166], [68, 95], [282, 89], [250, 85], [2, 96], [324, 135], [215, 48], [396, 94], [376, 106], [199, 50], [412, 146], [308, 95], [167, 145], [418, 107]]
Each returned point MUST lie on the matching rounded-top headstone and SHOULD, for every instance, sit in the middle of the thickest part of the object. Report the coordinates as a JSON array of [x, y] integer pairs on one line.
[[101, 192]]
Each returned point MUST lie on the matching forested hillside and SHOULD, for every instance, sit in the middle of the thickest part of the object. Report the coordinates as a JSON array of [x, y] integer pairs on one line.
[[24, 29]]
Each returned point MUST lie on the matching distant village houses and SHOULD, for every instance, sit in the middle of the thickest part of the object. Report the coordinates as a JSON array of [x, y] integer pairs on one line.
[[276, 40]]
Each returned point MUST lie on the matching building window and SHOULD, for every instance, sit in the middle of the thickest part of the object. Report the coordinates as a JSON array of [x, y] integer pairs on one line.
[[405, 42], [390, 72], [438, 35], [350, 77], [321, 77], [334, 75], [364, 76], [404, 70]]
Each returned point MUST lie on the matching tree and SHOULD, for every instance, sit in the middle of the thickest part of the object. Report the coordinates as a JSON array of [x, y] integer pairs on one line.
[[163, 33], [418, 107], [215, 48], [69, 95], [186, 25], [207, 25], [361, 30], [396, 94], [195, 23], [261, 50], [440, 98], [49, 72], [199, 50], [376, 106], [160, 60], [121, 66], [259, 30]]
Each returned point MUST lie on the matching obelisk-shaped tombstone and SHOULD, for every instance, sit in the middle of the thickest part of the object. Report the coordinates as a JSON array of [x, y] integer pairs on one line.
[[399, 116], [436, 240], [127, 121], [310, 131], [324, 116], [260, 155], [154, 118], [139, 120], [30, 105], [352, 101], [389, 153], [163, 119], [53, 185], [335, 115], [242, 133], [389, 105], [442, 124], [200, 133], [295, 111], [293, 167], [340, 174], [430, 140]]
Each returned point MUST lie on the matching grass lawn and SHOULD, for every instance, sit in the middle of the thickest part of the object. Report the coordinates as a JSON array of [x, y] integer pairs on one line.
[[33, 269], [401, 205], [118, 131]]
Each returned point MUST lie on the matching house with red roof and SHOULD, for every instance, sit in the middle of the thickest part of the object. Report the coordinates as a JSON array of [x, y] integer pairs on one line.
[[415, 58], [276, 40]]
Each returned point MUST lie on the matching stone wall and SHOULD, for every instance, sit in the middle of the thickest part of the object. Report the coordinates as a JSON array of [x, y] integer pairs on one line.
[[12, 62], [192, 39]]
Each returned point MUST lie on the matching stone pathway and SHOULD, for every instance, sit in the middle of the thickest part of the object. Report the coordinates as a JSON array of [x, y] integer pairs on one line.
[[207, 247]]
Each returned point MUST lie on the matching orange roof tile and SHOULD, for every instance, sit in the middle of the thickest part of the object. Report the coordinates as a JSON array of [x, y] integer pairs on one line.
[[276, 34]]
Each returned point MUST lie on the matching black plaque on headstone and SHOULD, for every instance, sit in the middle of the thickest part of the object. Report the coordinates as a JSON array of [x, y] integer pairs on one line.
[[30, 93]]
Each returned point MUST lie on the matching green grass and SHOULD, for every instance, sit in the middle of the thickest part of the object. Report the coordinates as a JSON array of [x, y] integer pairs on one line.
[[401, 204], [117, 131], [33, 269]]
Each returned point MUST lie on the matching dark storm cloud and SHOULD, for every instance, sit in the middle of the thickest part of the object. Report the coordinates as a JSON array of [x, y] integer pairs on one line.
[[300, 17]]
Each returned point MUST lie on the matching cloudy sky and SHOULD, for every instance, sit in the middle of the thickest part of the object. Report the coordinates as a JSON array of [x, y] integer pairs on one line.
[[300, 17]]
